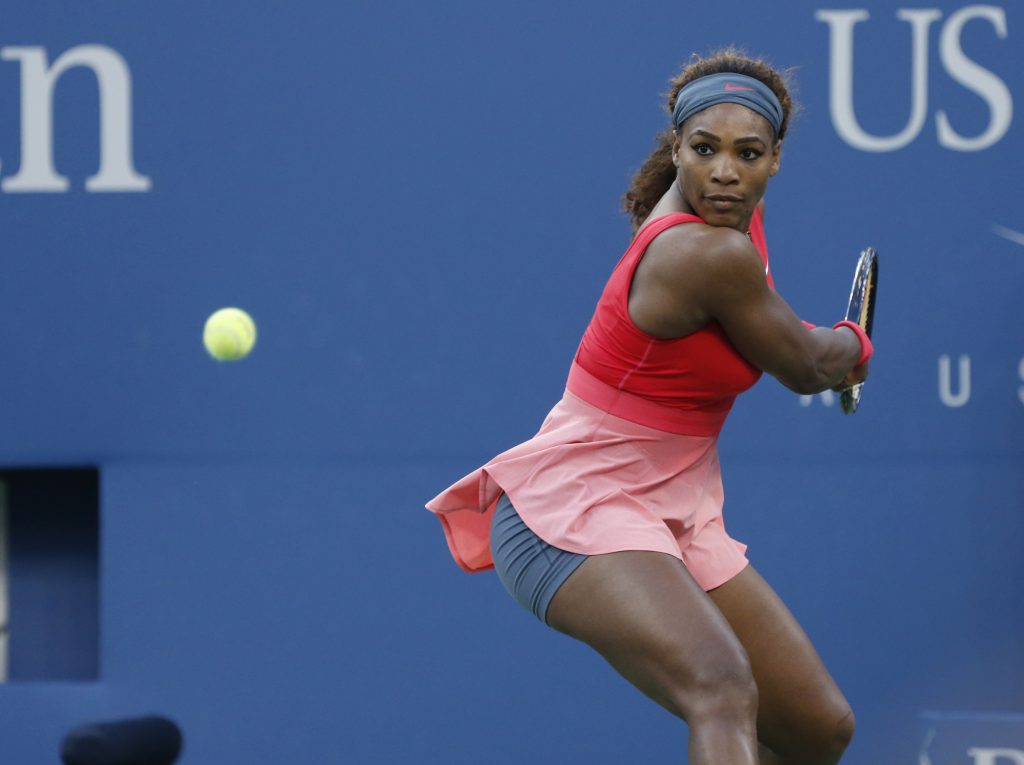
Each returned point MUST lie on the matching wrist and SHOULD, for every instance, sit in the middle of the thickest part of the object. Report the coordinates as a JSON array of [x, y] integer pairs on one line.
[[866, 347]]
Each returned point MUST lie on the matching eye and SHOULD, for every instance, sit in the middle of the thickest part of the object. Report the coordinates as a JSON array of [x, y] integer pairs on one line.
[[703, 149], [750, 154]]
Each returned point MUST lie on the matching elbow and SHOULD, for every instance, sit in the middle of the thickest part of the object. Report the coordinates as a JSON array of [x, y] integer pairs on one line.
[[810, 379], [819, 382], [815, 366], [804, 388]]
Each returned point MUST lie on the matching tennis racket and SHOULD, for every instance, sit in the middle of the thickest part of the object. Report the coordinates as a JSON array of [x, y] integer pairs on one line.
[[861, 310]]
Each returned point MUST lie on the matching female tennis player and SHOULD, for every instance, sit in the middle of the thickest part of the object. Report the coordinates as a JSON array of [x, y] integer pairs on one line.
[[608, 523]]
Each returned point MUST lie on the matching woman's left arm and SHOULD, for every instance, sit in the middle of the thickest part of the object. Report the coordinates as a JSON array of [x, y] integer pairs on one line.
[[730, 287]]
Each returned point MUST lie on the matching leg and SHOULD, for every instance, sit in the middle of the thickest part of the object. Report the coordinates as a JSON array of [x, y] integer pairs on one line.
[[646, 615], [802, 716]]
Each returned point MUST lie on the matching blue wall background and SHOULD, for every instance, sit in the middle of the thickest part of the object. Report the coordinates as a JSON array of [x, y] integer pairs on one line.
[[418, 204]]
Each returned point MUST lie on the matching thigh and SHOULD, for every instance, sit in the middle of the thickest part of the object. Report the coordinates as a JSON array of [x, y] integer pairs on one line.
[[653, 623], [529, 568], [798, 699]]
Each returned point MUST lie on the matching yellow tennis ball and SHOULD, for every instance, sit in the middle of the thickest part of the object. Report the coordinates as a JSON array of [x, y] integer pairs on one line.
[[229, 334]]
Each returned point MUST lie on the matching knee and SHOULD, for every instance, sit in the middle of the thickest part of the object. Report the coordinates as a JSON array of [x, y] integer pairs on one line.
[[826, 738], [721, 688], [840, 732]]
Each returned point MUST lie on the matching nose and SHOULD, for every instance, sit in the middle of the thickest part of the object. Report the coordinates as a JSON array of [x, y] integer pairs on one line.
[[724, 170]]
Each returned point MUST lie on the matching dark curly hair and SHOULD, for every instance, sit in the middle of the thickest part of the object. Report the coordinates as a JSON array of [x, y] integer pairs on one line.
[[656, 175]]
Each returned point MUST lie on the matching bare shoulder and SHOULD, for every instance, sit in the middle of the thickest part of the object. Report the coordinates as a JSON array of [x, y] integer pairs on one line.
[[701, 254], [691, 274]]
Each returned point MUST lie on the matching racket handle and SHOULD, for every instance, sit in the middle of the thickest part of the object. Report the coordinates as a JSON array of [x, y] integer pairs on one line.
[[866, 347]]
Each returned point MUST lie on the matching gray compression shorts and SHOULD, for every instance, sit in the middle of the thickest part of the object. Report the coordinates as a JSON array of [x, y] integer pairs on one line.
[[529, 568]]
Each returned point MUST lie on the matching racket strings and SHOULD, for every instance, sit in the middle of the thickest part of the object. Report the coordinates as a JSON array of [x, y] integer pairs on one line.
[[860, 309]]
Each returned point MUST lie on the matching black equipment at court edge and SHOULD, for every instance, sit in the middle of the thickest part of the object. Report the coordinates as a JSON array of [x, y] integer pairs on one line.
[[148, 740]]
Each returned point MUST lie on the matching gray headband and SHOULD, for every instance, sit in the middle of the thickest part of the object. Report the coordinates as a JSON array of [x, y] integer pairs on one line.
[[731, 88]]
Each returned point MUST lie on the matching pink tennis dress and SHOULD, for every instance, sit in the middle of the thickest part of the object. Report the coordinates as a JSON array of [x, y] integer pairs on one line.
[[628, 459]]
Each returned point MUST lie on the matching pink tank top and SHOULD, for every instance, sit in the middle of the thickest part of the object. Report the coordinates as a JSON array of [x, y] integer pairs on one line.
[[685, 385]]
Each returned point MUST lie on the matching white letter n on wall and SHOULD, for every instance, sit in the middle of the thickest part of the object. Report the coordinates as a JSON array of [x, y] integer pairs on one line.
[[116, 172]]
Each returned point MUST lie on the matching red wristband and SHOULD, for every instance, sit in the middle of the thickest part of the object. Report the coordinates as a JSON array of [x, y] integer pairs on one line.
[[866, 348], [808, 324]]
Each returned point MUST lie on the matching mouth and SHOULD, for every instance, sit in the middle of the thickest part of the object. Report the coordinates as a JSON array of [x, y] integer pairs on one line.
[[723, 201]]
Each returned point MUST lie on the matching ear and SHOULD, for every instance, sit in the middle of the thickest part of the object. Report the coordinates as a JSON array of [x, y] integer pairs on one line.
[[776, 158], [676, 143]]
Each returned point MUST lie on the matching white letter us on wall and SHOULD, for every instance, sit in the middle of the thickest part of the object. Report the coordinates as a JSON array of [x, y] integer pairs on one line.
[[1020, 374], [975, 78], [946, 394], [996, 756], [116, 171], [960, 68]]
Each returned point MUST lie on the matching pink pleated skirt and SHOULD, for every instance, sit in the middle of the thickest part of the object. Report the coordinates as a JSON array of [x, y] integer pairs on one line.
[[592, 483]]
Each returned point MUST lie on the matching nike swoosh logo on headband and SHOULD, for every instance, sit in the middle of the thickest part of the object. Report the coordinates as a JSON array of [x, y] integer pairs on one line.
[[730, 86]]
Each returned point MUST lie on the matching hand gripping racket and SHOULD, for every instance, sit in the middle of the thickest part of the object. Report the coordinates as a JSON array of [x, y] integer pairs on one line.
[[861, 310]]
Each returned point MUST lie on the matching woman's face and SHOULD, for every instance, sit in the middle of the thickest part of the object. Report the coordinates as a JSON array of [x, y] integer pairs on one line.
[[725, 155]]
